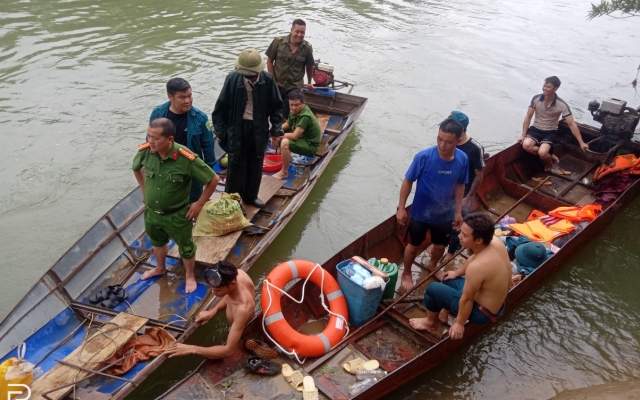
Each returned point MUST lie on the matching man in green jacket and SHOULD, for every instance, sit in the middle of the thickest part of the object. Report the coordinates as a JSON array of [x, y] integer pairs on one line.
[[302, 135], [248, 101]]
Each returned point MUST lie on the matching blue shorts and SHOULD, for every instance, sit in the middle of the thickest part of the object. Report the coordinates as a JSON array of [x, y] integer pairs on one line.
[[447, 295]]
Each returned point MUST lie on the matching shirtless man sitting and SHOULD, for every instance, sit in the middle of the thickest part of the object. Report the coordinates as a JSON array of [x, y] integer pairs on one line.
[[237, 293], [479, 295]]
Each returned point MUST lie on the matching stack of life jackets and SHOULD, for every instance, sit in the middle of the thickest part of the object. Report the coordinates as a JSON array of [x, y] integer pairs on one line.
[[625, 164], [541, 227]]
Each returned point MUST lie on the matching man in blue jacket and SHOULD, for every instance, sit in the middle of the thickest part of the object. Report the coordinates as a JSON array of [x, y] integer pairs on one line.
[[192, 126]]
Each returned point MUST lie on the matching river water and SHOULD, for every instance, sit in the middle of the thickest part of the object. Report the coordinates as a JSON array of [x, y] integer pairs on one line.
[[78, 80]]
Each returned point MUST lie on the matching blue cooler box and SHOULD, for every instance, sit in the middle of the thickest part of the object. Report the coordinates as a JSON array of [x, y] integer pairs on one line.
[[362, 303]]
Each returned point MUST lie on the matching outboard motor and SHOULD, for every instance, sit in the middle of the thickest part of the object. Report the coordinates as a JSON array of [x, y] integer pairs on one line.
[[323, 74], [618, 124], [323, 78]]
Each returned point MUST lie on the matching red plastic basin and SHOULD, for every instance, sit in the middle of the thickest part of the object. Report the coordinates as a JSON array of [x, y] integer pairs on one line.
[[272, 163]]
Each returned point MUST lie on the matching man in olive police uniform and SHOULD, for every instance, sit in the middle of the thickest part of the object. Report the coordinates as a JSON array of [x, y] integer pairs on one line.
[[164, 170], [287, 59]]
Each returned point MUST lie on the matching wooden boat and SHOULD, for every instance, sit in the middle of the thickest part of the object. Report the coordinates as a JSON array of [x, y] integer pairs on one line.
[[55, 315], [403, 352]]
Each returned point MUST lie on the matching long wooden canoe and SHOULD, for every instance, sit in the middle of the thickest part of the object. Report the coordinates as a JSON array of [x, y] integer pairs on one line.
[[53, 317], [402, 351]]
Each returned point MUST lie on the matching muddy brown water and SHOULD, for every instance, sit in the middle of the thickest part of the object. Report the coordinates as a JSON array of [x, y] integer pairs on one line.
[[78, 80]]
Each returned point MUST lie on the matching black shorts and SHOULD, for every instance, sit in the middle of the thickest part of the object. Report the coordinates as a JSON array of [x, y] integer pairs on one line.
[[417, 232], [541, 136]]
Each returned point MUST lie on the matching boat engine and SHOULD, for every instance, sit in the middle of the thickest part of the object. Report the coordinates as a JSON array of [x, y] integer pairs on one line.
[[323, 74], [618, 121]]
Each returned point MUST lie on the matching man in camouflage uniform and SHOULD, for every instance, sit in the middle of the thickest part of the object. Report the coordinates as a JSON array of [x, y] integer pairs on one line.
[[164, 170], [288, 58]]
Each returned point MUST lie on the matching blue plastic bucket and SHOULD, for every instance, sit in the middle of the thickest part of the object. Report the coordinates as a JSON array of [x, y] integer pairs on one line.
[[362, 303]]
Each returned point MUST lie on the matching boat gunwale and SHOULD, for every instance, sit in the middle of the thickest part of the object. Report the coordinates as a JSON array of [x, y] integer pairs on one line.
[[445, 347]]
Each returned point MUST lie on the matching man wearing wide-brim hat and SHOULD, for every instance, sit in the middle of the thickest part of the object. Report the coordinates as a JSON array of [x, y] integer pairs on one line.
[[248, 101]]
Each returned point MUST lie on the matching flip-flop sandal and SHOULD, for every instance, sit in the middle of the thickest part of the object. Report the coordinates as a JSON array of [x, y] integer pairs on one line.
[[261, 366], [310, 391], [359, 364], [260, 349], [560, 171], [293, 377], [353, 366], [538, 180]]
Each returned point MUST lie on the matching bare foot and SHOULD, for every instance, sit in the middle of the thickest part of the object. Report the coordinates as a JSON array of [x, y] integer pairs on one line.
[[439, 276], [280, 174], [190, 285], [444, 316], [423, 324], [153, 272], [548, 165], [407, 282]]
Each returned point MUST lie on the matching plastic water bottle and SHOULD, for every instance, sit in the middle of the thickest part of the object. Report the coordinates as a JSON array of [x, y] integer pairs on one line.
[[349, 271], [360, 270], [514, 267], [365, 374], [361, 386]]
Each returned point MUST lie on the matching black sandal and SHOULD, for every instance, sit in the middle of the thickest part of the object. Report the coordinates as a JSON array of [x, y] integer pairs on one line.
[[103, 294], [115, 292], [260, 366], [115, 298]]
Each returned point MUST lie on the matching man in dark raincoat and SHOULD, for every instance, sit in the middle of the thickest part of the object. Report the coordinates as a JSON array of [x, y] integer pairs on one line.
[[248, 101]]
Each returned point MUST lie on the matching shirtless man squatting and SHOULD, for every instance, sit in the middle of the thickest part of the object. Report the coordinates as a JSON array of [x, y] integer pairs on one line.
[[237, 296]]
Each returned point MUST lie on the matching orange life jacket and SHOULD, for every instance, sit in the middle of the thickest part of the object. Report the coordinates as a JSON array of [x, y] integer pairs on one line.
[[554, 223], [536, 231], [535, 214], [562, 226], [588, 212], [635, 170], [624, 162]]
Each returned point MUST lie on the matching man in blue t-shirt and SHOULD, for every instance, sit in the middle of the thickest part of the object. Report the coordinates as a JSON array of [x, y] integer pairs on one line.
[[442, 173]]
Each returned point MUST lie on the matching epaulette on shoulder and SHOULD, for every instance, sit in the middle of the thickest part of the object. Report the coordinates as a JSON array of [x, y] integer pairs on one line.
[[189, 155], [144, 146], [307, 43]]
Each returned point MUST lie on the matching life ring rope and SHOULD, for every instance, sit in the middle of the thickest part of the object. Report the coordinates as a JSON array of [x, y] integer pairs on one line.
[[293, 353]]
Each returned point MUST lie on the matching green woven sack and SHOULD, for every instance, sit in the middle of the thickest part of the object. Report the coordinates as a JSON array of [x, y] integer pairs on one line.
[[221, 216]]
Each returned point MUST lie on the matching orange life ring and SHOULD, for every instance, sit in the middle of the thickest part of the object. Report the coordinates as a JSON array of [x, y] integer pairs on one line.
[[285, 335]]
